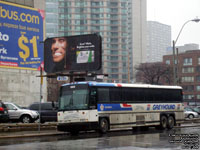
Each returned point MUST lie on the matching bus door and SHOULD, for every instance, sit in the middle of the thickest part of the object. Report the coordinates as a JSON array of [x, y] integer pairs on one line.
[[93, 104]]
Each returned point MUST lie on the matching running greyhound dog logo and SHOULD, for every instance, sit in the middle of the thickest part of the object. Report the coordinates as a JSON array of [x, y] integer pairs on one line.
[[148, 106]]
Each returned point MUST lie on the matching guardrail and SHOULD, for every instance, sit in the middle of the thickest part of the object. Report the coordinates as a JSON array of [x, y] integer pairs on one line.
[[194, 120], [11, 127]]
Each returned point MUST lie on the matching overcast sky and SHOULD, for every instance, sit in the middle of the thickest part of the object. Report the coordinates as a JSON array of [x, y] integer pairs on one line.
[[175, 13]]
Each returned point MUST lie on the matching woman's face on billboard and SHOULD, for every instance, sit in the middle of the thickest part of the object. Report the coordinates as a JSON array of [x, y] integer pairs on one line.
[[58, 49]]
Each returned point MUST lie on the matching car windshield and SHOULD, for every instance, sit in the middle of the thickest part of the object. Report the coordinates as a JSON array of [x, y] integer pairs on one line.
[[196, 109], [188, 109], [73, 98], [18, 106], [12, 106]]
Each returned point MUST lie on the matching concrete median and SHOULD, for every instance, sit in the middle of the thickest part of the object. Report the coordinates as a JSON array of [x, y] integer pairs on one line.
[[21, 130]]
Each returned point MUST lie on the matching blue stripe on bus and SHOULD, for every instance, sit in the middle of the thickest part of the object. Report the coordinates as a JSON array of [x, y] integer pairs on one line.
[[113, 107]]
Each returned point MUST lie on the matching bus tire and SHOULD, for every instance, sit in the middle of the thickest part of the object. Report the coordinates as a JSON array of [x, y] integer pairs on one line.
[[103, 125], [163, 122], [170, 122]]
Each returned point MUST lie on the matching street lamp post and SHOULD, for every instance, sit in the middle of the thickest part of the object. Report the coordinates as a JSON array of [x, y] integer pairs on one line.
[[174, 46]]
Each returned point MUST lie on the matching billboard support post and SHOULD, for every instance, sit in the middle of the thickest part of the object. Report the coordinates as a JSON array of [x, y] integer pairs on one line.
[[41, 83], [72, 75]]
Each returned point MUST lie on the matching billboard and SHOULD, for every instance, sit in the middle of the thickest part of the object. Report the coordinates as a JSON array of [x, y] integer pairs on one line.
[[72, 53], [21, 30]]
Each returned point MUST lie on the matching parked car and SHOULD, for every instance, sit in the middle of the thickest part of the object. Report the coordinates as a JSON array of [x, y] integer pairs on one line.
[[196, 109], [4, 116], [189, 113], [17, 113], [48, 111]]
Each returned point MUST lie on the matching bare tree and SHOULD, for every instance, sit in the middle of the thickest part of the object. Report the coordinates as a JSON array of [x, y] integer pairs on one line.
[[154, 73]]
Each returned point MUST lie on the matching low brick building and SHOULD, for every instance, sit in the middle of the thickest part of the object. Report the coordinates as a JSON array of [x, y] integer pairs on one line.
[[188, 74]]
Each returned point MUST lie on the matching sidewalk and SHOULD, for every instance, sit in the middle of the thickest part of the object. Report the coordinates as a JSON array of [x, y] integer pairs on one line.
[[21, 130], [186, 125]]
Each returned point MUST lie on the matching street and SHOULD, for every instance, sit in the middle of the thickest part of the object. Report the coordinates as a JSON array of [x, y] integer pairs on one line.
[[178, 138]]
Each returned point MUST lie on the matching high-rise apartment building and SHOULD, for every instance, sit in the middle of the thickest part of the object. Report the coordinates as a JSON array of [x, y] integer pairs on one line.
[[51, 18], [121, 23], [158, 40], [30, 3]]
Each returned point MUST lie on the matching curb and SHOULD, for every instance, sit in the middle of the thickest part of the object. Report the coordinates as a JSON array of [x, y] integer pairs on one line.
[[197, 125], [32, 135]]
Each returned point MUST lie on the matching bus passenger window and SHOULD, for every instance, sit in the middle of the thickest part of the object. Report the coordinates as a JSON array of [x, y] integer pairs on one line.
[[115, 95], [103, 95]]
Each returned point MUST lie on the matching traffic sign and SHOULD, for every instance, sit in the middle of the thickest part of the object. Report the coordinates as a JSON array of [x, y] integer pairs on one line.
[[62, 78]]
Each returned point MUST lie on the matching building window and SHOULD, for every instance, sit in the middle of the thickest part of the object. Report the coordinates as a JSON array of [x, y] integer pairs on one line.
[[188, 88], [124, 76], [199, 60], [188, 70], [175, 61], [187, 79], [114, 70], [188, 96], [167, 62], [198, 69], [198, 78], [198, 96], [187, 61], [198, 88], [115, 76]]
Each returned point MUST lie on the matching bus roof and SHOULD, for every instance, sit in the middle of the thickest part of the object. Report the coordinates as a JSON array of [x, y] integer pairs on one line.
[[104, 84]]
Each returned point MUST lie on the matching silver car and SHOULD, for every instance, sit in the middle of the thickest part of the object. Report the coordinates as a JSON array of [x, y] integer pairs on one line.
[[189, 113], [16, 113]]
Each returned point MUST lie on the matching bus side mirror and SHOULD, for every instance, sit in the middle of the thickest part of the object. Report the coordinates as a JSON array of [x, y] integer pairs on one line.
[[53, 104]]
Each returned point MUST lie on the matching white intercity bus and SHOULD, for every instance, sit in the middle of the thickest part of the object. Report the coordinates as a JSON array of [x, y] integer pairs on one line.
[[105, 106]]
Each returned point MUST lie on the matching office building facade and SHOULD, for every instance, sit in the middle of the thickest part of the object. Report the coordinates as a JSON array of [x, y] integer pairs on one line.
[[158, 40]]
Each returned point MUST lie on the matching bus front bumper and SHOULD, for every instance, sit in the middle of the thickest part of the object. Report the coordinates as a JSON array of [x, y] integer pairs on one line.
[[80, 126]]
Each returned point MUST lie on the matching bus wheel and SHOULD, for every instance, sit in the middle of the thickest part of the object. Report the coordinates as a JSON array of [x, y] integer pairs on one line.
[[163, 122], [170, 122], [103, 125]]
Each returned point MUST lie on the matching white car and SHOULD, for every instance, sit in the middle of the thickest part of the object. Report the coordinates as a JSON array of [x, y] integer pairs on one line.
[[16, 113]]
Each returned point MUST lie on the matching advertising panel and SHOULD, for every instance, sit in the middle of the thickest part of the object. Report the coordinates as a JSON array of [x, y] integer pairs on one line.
[[72, 53], [21, 30]]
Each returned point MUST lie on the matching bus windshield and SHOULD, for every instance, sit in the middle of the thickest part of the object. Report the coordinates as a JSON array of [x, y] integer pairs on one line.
[[73, 98]]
